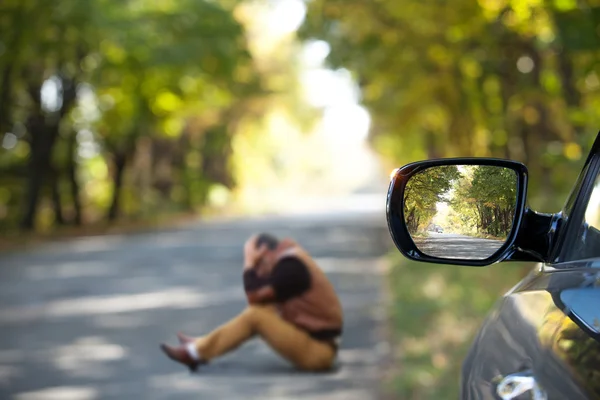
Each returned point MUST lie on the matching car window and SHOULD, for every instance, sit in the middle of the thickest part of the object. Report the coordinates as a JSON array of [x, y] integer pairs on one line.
[[587, 242], [568, 208], [583, 305], [564, 239]]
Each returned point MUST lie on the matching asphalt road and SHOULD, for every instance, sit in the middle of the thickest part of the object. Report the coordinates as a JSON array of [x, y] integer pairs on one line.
[[449, 245], [83, 319]]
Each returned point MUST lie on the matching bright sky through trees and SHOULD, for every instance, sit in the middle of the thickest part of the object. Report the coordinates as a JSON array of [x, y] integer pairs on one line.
[[337, 145]]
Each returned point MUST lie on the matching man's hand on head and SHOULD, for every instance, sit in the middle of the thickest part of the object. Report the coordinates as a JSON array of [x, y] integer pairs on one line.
[[252, 254], [253, 258]]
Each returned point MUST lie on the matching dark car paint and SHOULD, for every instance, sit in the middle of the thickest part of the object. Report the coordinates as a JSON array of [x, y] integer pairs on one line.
[[532, 329], [548, 325]]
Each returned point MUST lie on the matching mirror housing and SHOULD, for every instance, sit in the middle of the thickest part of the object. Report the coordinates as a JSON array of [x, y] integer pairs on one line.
[[396, 219]]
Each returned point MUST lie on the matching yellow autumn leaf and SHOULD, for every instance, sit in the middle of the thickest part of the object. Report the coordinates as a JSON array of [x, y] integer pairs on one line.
[[166, 102], [572, 151]]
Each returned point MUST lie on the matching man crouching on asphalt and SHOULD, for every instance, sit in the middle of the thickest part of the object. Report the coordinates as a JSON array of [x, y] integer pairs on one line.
[[291, 305]]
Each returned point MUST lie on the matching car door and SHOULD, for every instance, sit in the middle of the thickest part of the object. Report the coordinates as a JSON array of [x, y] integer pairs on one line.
[[542, 340]]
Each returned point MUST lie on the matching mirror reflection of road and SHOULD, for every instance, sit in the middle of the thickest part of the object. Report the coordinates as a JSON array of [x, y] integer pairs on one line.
[[83, 319], [452, 245]]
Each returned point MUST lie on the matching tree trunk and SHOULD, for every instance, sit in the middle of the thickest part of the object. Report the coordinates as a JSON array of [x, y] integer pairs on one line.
[[410, 221], [73, 182], [509, 216], [431, 145], [186, 146], [38, 165], [188, 199], [565, 68], [43, 130], [5, 91], [34, 187], [59, 218], [8, 80], [120, 162]]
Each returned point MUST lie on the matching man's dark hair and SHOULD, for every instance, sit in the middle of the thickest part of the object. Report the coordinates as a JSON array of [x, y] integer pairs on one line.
[[269, 240]]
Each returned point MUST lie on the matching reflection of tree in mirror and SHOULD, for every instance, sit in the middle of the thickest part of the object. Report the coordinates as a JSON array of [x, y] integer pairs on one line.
[[423, 191], [483, 202]]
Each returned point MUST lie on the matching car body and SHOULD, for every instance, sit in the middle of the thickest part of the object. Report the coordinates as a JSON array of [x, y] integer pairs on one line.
[[435, 228], [542, 339]]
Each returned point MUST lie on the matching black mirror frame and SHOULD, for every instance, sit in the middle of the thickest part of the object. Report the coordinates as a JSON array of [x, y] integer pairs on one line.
[[399, 231]]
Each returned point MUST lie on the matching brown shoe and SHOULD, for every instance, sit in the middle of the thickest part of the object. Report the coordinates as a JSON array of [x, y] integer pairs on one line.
[[184, 339], [181, 355]]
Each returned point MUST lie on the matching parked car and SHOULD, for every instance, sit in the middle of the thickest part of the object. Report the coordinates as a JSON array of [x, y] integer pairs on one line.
[[542, 339], [435, 228]]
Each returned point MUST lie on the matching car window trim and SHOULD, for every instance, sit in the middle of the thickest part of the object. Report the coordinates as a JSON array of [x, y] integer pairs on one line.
[[576, 218]]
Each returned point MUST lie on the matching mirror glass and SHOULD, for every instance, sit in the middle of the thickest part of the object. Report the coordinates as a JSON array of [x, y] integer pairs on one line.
[[460, 211]]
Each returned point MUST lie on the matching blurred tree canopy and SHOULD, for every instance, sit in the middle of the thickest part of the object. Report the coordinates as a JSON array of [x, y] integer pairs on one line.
[[481, 199], [484, 201], [111, 108], [510, 78], [422, 193]]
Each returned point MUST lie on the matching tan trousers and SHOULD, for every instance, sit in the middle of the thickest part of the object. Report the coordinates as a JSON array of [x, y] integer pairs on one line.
[[290, 342]]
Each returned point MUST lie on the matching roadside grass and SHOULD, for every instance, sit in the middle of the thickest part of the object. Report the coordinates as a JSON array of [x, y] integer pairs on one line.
[[14, 239], [436, 311]]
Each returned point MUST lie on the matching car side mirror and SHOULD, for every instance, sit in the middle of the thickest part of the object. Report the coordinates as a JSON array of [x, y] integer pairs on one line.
[[464, 211]]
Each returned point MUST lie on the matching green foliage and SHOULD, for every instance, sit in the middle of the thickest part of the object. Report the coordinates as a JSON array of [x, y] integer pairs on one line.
[[481, 199], [512, 79], [144, 100], [484, 202], [423, 191]]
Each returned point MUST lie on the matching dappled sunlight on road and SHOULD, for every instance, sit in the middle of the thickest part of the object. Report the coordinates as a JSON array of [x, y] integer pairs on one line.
[[87, 357], [69, 270], [8, 372], [92, 244], [61, 393], [273, 386], [185, 297], [121, 321]]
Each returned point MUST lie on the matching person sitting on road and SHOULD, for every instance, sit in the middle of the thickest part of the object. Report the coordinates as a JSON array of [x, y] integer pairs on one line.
[[291, 305]]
